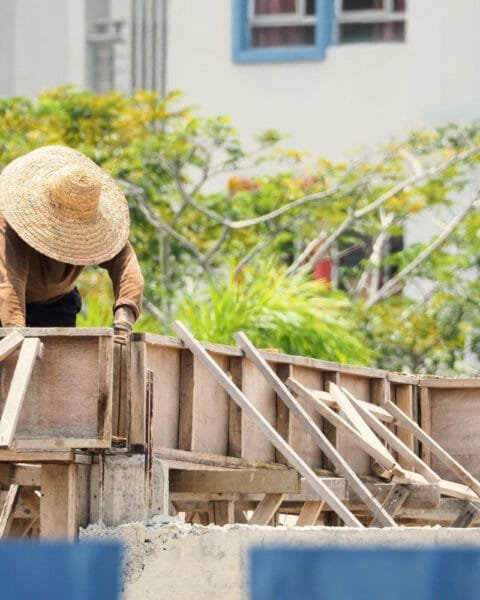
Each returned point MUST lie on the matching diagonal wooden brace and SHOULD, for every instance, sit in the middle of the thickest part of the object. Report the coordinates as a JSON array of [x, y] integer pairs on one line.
[[31, 348]]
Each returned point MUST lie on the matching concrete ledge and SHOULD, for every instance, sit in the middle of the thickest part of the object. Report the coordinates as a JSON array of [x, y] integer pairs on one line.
[[175, 560]]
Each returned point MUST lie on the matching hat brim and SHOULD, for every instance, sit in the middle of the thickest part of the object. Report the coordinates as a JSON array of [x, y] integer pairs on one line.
[[25, 203]]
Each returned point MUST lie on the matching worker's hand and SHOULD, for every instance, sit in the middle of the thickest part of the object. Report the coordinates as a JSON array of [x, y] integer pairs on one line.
[[123, 324]]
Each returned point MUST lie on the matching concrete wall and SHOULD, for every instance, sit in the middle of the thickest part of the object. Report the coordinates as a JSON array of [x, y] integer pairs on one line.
[[184, 562], [359, 95]]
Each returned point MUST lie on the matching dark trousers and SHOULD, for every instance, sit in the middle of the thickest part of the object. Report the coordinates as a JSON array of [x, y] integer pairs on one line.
[[61, 312]]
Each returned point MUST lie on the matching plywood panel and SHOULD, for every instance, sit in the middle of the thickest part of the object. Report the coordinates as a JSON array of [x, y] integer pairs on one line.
[[68, 401], [255, 387], [164, 362], [455, 425], [204, 407], [359, 460], [299, 439]]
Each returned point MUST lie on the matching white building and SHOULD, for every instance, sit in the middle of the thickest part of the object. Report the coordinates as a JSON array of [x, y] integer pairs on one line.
[[417, 63]]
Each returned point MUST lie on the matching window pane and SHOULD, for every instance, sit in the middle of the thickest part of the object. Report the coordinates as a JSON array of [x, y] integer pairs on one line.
[[362, 4], [310, 7], [372, 32], [275, 7], [399, 5], [263, 37]]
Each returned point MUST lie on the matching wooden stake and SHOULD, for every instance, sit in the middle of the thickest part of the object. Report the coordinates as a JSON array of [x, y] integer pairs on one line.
[[7, 514], [266, 509], [296, 461], [314, 431], [309, 513], [10, 343], [435, 448]]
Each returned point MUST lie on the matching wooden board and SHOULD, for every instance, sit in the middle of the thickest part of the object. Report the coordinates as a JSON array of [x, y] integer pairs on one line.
[[68, 401], [403, 397], [253, 444], [303, 444], [204, 406], [455, 425], [356, 458], [164, 363]]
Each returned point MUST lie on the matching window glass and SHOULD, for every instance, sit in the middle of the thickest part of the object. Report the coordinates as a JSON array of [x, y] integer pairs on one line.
[[310, 7], [372, 32], [362, 4], [399, 5], [303, 35], [275, 7]]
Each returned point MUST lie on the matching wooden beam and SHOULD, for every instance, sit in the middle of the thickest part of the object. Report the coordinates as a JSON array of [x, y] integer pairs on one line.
[[224, 512], [467, 516], [18, 387], [59, 502], [266, 509], [296, 461], [21, 474], [7, 513], [309, 513], [391, 439], [10, 343], [314, 431], [235, 480], [384, 457], [434, 447], [395, 500]]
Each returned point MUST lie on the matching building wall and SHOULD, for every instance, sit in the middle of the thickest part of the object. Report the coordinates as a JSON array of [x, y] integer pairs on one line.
[[42, 44], [359, 95]]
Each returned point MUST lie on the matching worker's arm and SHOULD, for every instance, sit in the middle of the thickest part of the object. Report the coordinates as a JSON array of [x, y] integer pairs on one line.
[[127, 281], [14, 262]]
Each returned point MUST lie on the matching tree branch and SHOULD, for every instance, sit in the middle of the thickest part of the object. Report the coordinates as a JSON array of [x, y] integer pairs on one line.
[[390, 287]]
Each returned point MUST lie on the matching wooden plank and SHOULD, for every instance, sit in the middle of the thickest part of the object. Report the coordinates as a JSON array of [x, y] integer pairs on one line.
[[266, 509], [409, 457], [235, 480], [309, 513], [59, 502], [357, 459], [312, 429], [455, 425], [195, 459], [425, 422], [235, 421], [57, 456], [434, 447], [69, 394], [296, 461], [403, 397], [20, 474], [10, 343], [165, 364], [137, 401], [204, 407], [351, 414], [467, 516], [224, 512], [253, 443], [18, 388], [8, 509], [301, 443], [335, 419], [450, 382], [457, 490], [395, 500], [69, 332], [282, 414]]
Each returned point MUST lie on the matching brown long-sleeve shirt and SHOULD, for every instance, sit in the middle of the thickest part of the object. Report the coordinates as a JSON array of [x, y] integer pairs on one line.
[[28, 276]]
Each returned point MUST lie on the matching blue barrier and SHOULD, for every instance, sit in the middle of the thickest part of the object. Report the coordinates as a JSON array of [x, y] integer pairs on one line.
[[279, 573], [59, 571]]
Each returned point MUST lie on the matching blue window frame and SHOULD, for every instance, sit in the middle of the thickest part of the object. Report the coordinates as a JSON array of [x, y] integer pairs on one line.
[[316, 23]]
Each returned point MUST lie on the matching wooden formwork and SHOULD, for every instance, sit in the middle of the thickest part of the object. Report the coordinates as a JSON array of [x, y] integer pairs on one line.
[[100, 420]]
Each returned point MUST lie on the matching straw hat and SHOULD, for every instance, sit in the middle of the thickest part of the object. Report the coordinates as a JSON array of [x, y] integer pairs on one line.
[[64, 206]]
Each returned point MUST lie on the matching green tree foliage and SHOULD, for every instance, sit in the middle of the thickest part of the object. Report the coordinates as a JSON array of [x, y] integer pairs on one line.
[[214, 223]]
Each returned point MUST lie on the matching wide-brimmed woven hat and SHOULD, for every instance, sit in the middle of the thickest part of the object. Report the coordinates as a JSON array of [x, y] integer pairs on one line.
[[64, 205]]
